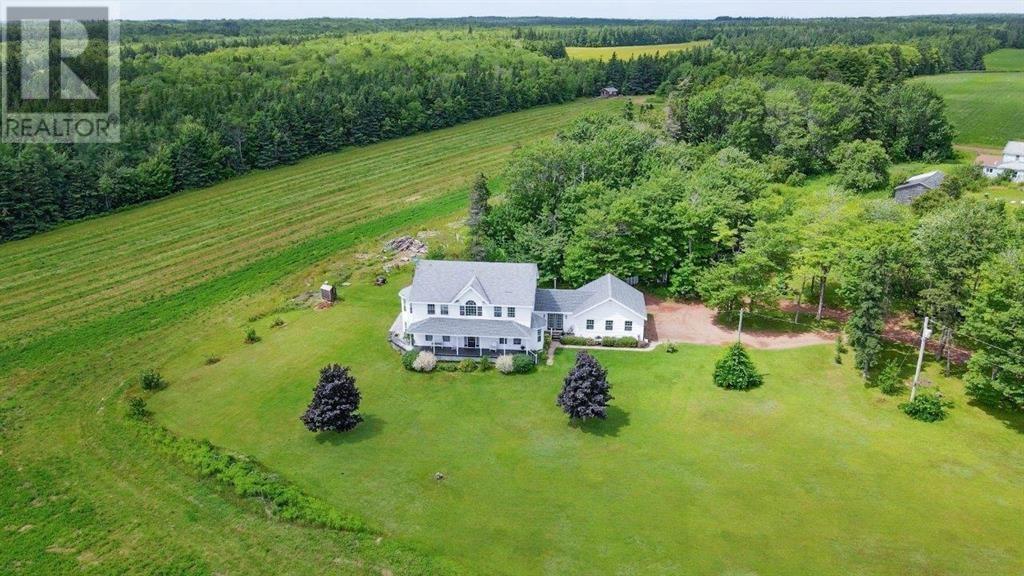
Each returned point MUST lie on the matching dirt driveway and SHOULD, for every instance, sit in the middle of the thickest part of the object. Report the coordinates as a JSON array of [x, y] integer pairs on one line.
[[695, 323]]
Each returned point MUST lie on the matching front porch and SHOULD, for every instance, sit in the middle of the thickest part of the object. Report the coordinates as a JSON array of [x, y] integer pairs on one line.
[[455, 353]]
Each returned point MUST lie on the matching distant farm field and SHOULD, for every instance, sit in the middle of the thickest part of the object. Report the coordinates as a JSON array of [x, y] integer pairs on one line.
[[1005, 60], [628, 52], [987, 108]]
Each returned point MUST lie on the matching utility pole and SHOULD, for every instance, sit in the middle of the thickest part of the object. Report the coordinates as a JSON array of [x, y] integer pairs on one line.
[[739, 329], [925, 333]]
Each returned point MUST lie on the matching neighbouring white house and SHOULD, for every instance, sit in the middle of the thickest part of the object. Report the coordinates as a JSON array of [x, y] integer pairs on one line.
[[915, 186], [1012, 162], [469, 309]]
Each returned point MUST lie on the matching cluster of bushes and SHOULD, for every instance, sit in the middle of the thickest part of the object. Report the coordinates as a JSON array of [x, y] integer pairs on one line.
[[927, 407], [423, 361], [610, 342]]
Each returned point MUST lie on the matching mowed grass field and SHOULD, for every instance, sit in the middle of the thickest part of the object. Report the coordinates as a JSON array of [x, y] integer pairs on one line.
[[987, 108], [85, 308], [628, 52], [811, 474], [97, 268]]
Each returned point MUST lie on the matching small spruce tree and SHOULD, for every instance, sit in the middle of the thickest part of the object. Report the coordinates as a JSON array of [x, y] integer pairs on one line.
[[736, 371], [586, 391], [335, 402], [889, 381]]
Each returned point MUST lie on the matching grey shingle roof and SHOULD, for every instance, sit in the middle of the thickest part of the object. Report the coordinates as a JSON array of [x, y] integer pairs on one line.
[[563, 301], [930, 180], [609, 286], [471, 327], [1014, 148], [501, 283]]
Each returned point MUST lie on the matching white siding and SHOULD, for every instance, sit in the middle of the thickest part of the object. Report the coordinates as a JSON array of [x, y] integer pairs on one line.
[[609, 310]]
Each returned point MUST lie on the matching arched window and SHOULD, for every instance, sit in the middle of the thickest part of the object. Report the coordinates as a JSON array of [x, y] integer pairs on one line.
[[470, 309]]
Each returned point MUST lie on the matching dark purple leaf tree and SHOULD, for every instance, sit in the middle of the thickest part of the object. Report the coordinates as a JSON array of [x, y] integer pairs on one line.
[[586, 391], [335, 402]]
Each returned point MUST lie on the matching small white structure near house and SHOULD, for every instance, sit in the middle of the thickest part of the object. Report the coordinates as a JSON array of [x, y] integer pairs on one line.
[[915, 186], [1012, 161], [469, 309]]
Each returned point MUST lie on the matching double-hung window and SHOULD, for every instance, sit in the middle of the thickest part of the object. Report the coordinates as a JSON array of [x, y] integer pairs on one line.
[[629, 325], [497, 311], [446, 338], [609, 325], [431, 309], [503, 341], [590, 324], [429, 337], [511, 312], [517, 341], [444, 309]]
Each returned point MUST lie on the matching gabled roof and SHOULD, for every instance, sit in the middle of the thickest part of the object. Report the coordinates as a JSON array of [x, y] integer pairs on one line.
[[502, 283], [609, 287], [1014, 147], [605, 288], [988, 160], [929, 180]]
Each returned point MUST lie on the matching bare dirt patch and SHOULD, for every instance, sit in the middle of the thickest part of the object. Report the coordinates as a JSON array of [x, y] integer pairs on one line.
[[695, 323]]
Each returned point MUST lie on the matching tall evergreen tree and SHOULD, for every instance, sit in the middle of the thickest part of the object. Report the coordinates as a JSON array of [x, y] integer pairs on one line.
[[479, 196], [335, 402], [586, 391]]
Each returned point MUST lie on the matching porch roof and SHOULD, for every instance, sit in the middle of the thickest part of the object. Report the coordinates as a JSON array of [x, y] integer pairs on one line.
[[470, 327]]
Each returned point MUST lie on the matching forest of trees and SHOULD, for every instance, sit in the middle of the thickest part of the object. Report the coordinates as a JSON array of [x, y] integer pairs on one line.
[[202, 101]]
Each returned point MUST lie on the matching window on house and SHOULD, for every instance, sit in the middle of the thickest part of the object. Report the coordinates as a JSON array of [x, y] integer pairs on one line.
[[429, 337], [609, 324], [497, 311], [431, 309], [470, 309], [444, 309], [517, 341], [538, 336], [629, 325], [511, 312], [503, 341], [446, 338], [590, 324]]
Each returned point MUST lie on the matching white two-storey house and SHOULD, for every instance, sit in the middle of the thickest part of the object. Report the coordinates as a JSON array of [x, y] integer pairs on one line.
[[467, 309]]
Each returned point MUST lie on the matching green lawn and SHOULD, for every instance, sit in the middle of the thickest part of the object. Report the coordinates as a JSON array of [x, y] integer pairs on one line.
[[987, 108], [628, 52], [1005, 60], [84, 308], [811, 474]]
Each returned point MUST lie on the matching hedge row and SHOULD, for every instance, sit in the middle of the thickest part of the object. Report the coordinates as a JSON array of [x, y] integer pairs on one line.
[[249, 479], [610, 342]]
